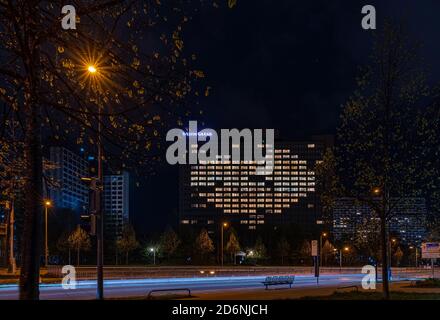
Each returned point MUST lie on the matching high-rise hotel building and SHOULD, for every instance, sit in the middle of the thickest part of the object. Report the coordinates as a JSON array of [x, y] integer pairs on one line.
[[218, 191]]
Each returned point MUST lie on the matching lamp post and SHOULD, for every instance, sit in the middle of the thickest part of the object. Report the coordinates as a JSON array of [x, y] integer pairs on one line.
[[154, 255], [322, 235], [390, 260], [93, 72], [346, 249], [416, 254], [47, 204], [224, 225]]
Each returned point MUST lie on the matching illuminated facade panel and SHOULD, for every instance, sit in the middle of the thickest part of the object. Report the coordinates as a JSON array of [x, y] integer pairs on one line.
[[232, 191]]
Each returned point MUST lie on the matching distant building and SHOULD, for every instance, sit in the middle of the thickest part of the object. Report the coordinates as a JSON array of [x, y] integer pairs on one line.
[[116, 204], [67, 190], [230, 191], [408, 221]]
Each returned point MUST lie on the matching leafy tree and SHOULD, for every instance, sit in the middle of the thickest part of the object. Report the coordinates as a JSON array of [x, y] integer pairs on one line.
[[79, 240], [367, 238], [398, 255], [434, 232], [127, 243], [169, 242], [328, 181], [327, 251], [260, 251], [379, 157], [232, 246], [305, 251], [63, 246], [283, 248], [204, 244], [47, 83]]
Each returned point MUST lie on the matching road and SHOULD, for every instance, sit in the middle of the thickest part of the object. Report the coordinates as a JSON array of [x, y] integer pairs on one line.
[[140, 287]]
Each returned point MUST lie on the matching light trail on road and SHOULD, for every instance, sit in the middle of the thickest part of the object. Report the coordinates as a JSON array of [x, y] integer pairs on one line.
[[129, 288]]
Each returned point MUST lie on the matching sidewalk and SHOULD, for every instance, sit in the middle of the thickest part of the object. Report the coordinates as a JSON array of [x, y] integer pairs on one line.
[[297, 293]]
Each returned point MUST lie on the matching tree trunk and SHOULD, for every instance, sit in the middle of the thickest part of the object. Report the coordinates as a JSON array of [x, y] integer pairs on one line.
[[33, 206], [77, 256], [384, 242], [126, 258]]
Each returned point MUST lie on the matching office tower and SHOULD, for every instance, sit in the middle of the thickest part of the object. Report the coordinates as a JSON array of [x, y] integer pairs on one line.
[[66, 189], [116, 204], [407, 223]]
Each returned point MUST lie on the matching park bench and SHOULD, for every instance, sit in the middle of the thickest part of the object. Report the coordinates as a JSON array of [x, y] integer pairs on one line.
[[278, 280]]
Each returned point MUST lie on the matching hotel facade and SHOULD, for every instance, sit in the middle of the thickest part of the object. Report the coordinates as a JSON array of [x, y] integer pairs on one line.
[[214, 192]]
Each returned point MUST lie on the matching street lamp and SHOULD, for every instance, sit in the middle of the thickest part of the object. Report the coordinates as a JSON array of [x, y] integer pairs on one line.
[[416, 253], [322, 235], [224, 225], [390, 260], [47, 204], [92, 71], [153, 250], [346, 249]]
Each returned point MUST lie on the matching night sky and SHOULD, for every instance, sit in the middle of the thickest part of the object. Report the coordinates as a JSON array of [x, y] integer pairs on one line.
[[285, 64]]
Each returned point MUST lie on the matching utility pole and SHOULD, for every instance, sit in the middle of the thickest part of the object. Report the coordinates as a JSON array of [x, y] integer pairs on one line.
[[99, 216]]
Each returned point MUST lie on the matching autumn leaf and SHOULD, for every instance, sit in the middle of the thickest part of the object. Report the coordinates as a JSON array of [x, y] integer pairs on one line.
[[199, 73], [232, 3]]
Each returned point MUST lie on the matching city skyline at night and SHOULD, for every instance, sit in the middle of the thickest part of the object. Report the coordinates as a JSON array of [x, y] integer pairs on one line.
[[220, 150]]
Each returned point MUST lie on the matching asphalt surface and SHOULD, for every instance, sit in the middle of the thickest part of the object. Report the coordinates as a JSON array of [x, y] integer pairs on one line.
[[141, 287]]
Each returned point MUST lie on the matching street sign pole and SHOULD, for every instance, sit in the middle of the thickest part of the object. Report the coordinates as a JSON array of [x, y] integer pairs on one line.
[[315, 255], [431, 250]]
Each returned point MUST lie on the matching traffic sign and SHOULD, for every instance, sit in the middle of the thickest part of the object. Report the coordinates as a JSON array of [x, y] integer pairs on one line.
[[430, 250], [314, 248]]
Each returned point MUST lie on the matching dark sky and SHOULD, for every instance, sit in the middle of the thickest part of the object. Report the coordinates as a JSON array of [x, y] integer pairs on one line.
[[281, 64]]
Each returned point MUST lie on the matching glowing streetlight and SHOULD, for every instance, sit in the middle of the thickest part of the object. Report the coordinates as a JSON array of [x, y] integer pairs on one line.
[[47, 204], [323, 235], [154, 255], [376, 191], [91, 69], [416, 254], [346, 249], [224, 225]]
